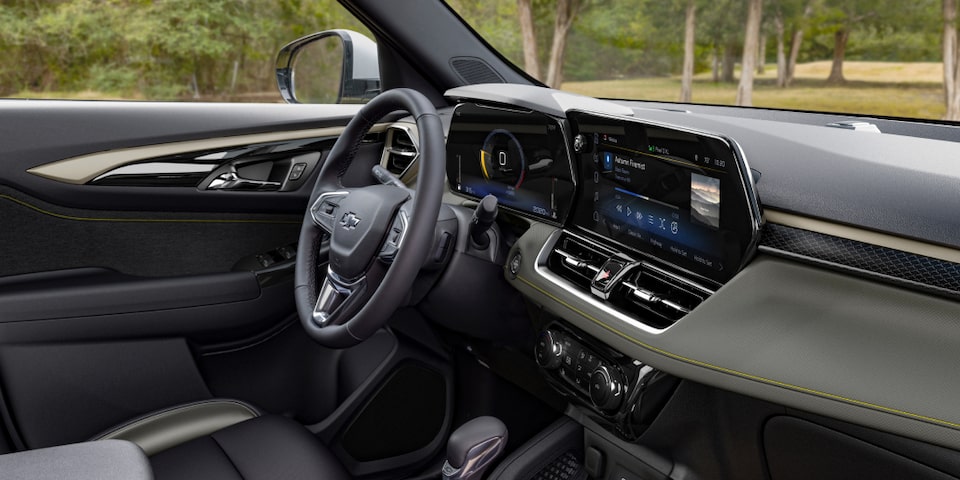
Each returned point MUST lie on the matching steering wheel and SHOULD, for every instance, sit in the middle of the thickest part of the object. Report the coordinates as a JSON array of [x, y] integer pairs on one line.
[[380, 235]]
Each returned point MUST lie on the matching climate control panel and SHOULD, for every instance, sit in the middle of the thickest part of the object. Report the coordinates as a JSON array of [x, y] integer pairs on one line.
[[613, 386]]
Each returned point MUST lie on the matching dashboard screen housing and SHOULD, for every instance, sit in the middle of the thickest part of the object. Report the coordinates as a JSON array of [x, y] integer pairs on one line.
[[519, 156], [676, 195]]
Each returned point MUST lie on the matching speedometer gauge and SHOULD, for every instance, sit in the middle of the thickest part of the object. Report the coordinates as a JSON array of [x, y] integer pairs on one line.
[[502, 159]]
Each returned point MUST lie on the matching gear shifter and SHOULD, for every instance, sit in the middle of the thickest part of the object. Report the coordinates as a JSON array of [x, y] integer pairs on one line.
[[473, 447]]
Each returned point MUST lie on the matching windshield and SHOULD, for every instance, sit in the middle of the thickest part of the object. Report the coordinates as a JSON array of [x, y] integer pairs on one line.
[[871, 57]]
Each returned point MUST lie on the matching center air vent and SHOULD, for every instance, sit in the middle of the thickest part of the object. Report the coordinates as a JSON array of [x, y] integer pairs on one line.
[[637, 289], [400, 151], [576, 261]]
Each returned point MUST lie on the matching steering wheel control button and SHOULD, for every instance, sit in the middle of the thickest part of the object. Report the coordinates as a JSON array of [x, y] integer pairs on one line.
[[394, 238], [324, 210], [604, 281]]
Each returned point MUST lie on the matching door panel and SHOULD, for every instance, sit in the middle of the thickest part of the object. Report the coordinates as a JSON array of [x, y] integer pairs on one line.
[[108, 293]]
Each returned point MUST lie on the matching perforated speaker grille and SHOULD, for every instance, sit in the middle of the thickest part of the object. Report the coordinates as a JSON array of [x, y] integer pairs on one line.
[[474, 70]]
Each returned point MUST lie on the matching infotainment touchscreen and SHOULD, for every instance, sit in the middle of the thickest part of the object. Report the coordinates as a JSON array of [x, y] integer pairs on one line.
[[677, 195], [520, 157]]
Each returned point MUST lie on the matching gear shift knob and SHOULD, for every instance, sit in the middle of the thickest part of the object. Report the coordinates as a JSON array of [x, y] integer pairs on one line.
[[473, 447]]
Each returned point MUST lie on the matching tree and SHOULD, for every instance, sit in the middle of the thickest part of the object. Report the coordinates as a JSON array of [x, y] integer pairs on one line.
[[795, 43], [951, 58], [843, 16], [721, 22], [750, 44], [689, 27], [530, 62], [567, 11]]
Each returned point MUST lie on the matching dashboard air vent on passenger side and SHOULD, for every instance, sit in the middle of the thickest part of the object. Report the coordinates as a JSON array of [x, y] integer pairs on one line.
[[399, 152], [655, 296]]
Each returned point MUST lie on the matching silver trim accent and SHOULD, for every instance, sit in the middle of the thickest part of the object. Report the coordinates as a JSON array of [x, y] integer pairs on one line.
[[388, 148], [540, 268], [81, 169], [575, 261], [644, 264], [316, 205], [231, 180], [158, 169]]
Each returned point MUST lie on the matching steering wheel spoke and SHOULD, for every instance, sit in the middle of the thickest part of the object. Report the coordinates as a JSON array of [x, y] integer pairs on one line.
[[337, 300], [396, 234], [324, 210]]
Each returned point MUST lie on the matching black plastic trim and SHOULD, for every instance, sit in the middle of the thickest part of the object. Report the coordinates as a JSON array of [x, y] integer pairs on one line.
[[905, 269]]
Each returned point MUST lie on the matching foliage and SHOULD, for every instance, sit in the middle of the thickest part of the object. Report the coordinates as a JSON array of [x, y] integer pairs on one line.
[[165, 49], [154, 49]]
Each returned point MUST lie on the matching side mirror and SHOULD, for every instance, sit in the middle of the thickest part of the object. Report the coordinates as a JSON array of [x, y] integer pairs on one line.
[[306, 66]]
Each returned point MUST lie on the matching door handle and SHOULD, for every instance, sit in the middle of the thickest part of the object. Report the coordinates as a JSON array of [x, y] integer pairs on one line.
[[231, 180]]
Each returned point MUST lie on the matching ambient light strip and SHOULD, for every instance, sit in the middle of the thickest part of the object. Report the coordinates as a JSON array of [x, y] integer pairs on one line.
[[736, 373], [864, 236], [141, 220], [80, 170]]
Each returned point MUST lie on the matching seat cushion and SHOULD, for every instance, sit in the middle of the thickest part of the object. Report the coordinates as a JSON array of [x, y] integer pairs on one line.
[[269, 447]]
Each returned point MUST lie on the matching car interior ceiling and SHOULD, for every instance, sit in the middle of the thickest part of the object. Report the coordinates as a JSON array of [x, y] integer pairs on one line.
[[158, 335]]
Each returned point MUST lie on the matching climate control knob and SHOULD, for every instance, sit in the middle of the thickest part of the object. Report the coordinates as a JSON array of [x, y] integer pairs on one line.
[[549, 350], [606, 388]]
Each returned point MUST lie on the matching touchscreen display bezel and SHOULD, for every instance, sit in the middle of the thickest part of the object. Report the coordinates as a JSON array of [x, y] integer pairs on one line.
[[710, 251]]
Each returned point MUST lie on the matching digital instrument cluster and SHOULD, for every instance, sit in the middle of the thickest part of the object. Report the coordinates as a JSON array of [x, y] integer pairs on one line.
[[520, 157], [680, 196]]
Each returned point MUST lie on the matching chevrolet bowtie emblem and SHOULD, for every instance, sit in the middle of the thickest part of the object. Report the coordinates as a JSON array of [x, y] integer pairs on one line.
[[349, 221]]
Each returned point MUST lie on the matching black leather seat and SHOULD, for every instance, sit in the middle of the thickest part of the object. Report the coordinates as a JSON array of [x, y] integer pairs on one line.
[[228, 440]]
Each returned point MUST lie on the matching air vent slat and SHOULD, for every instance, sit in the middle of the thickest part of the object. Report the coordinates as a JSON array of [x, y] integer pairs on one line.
[[645, 292], [400, 152]]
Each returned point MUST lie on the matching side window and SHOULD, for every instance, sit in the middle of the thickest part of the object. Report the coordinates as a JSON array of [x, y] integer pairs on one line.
[[176, 50]]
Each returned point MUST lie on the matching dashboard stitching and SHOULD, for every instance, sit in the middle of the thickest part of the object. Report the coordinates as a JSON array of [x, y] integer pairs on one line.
[[737, 373], [139, 220]]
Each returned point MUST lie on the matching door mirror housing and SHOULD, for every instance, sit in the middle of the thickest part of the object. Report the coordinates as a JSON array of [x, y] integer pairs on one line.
[[307, 68]]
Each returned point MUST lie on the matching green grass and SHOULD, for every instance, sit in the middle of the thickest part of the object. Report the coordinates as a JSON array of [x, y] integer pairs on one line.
[[873, 88]]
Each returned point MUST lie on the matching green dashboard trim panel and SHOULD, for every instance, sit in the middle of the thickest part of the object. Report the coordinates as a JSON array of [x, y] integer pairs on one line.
[[736, 372], [806, 338]]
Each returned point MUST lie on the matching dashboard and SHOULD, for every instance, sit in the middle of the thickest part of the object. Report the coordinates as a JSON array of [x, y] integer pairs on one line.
[[775, 306]]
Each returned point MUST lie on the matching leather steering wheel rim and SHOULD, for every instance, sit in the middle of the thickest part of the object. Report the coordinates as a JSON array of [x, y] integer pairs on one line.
[[418, 235]]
